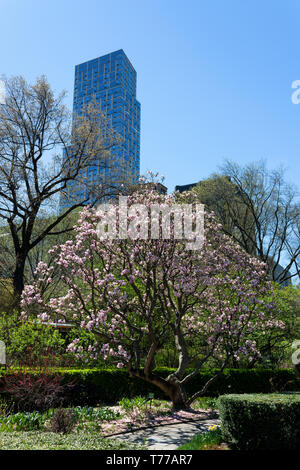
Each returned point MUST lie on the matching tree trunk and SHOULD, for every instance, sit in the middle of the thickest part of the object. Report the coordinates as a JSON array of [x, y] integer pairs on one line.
[[177, 393], [18, 278], [178, 397], [170, 386]]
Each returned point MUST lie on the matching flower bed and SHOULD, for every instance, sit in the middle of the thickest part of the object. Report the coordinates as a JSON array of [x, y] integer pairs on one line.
[[128, 416], [127, 423]]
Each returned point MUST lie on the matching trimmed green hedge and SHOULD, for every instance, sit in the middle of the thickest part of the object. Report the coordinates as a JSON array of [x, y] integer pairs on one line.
[[110, 385], [261, 422]]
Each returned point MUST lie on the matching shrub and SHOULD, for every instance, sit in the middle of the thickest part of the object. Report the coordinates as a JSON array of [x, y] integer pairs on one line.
[[260, 421], [93, 386], [63, 421], [35, 389], [33, 341], [111, 385], [28, 341]]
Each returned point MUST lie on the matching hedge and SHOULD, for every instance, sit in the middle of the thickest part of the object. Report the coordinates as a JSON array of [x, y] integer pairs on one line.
[[93, 386], [261, 422]]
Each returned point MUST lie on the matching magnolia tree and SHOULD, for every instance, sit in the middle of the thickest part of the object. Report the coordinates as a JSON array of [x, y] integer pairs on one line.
[[138, 293]]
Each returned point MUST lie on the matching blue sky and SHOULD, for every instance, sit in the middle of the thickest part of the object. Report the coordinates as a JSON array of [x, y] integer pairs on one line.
[[214, 77]]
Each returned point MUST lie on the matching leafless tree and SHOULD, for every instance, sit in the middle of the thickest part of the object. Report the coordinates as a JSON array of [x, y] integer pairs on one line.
[[43, 150], [265, 212]]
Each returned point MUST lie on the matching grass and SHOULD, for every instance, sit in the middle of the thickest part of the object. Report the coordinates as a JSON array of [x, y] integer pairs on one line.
[[210, 440], [39, 440]]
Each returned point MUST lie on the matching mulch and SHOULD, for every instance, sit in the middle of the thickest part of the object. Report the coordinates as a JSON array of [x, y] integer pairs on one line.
[[131, 424]]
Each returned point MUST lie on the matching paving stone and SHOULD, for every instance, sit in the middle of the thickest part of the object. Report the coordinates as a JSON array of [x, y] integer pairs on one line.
[[168, 437]]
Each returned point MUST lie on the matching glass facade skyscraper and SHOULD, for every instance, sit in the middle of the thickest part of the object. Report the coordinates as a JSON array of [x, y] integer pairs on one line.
[[111, 80]]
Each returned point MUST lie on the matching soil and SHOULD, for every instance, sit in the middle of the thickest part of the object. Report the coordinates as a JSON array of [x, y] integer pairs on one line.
[[138, 421]]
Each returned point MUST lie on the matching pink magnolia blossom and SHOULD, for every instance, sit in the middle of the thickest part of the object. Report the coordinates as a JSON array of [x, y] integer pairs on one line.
[[138, 294]]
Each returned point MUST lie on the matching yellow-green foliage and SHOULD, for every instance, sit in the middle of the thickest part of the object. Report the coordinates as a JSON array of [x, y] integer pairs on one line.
[[6, 295]]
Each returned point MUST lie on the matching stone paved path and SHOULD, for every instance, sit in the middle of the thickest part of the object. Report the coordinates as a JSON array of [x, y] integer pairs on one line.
[[168, 437]]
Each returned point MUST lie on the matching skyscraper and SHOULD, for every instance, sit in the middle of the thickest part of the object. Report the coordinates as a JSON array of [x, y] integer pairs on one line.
[[111, 80]]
